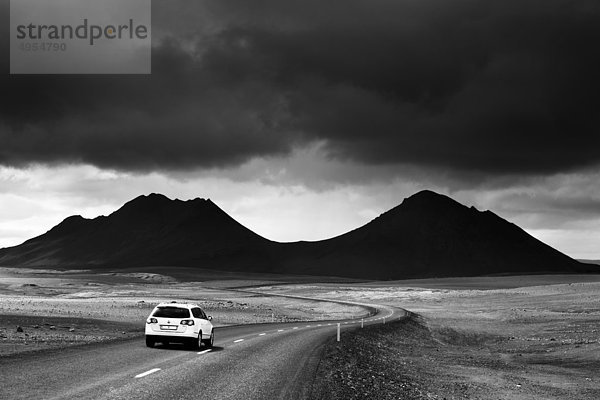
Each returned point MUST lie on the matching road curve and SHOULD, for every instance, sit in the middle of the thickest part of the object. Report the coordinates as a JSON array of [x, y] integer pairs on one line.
[[260, 361]]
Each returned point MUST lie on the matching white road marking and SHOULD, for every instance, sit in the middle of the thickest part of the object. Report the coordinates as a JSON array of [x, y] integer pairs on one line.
[[280, 330], [239, 340], [295, 327], [147, 373], [204, 351], [318, 325], [308, 326], [261, 334]]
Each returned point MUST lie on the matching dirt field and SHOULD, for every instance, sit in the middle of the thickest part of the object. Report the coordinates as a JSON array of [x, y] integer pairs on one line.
[[534, 342], [57, 309], [473, 338]]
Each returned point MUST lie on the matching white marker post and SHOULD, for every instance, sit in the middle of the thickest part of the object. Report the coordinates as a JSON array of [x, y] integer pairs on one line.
[[384, 320], [362, 323], [338, 332], [272, 318]]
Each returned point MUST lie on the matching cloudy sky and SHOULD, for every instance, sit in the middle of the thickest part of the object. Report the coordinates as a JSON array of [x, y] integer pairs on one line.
[[304, 119]]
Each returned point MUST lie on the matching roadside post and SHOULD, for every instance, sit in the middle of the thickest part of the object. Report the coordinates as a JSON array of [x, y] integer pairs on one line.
[[338, 332], [384, 320], [362, 323]]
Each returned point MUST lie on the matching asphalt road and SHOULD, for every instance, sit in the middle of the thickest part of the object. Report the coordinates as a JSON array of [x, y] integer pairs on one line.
[[265, 361]]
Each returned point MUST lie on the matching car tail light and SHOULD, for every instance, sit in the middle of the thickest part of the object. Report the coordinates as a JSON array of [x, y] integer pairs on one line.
[[152, 321], [188, 322]]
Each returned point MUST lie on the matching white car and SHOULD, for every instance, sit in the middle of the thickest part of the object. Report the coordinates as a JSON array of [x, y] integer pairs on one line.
[[179, 323]]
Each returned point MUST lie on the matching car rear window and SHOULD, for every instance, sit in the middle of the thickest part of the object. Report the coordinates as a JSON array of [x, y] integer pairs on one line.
[[171, 312]]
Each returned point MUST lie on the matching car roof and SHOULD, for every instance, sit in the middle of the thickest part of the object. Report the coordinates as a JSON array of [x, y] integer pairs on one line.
[[180, 305]]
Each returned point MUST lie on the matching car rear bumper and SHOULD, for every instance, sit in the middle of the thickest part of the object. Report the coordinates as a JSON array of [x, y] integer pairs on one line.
[[153, 331], [172, 337]]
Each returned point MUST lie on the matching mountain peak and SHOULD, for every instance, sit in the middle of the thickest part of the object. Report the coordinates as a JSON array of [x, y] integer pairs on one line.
[[150, 198], [426, 193], [159, 199], [156, 211], [430, 198], [425, 203]]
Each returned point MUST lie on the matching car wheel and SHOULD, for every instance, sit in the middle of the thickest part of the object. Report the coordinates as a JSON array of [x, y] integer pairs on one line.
[[150, 341], [210, 342], [196, 343]]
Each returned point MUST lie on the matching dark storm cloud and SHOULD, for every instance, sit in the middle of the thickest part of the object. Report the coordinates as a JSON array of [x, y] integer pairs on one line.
[[496, 87]]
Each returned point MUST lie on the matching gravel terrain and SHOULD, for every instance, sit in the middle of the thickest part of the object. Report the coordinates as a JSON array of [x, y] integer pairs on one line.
[[41, 309], [536, 342], [31, 333], [410, 360], [376, 362], [484, 338]]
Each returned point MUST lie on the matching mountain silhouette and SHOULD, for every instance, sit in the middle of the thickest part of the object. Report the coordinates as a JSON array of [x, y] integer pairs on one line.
[[427, 235], [149, 230]]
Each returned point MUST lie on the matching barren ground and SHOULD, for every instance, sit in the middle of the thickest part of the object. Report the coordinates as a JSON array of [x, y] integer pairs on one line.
[[472, 338], [533, 342], [58, 309]]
